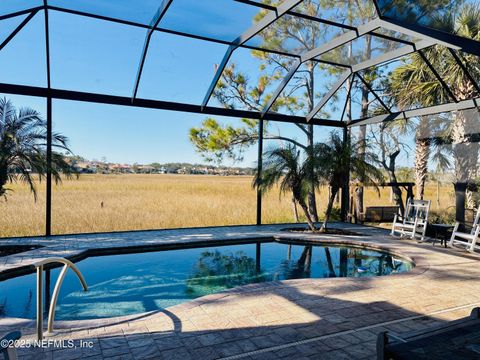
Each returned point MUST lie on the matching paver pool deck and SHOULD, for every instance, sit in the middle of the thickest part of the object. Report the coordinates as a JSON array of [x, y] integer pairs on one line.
[[335, 318]]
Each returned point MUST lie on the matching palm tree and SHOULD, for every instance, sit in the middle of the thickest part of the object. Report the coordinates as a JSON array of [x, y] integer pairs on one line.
[[422, 154], [23, 142], [414, 84], [286, 166], [430, 132], [332, 161], [335, 159]]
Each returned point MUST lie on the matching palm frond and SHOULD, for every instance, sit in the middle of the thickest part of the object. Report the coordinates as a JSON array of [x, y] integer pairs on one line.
[[23, 145]]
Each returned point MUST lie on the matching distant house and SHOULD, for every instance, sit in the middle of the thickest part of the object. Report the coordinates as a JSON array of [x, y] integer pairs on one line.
[[85, 167], [120, 168], [146, 169]]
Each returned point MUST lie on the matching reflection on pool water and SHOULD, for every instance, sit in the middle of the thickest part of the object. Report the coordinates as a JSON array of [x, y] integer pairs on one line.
[[133, 283]]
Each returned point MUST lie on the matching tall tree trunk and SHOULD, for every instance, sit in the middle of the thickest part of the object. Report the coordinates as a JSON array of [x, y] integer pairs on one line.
[[312, 201], [295, 210], [397, 192], [362, 134], [388, 160], [304, 207], [392, 177], [328, 212], [422, 153], [345, 185], [359, 192]]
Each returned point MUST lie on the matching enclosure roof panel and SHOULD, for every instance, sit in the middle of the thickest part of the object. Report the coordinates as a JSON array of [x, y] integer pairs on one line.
[[291, 60]]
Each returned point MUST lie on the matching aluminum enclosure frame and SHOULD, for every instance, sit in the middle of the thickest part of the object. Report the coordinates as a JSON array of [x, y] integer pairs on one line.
[[428, 37]]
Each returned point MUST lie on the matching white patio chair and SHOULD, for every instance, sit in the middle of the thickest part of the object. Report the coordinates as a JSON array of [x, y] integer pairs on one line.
[[414, 223], [467, 239]]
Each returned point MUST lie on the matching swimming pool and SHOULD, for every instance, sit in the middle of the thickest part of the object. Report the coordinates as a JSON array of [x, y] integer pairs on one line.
[[133, 283]]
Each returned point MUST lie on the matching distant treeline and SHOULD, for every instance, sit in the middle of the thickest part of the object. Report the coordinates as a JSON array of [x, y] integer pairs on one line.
[[83, 165]]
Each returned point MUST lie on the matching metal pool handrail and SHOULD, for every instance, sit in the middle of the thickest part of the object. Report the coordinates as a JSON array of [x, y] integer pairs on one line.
[[51, 311]]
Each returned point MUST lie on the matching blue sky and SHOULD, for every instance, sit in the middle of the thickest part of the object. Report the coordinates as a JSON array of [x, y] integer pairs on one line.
[[102, 57]]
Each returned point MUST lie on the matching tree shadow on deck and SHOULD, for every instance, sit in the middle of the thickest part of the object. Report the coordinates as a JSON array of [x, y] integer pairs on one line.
[[335, 316], [213, 329]]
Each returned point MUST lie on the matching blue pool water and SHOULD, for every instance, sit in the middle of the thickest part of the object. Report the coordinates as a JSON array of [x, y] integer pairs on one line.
[[133, 283]]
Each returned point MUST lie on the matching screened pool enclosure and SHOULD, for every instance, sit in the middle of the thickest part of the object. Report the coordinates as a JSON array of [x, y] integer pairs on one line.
[[324, 65]]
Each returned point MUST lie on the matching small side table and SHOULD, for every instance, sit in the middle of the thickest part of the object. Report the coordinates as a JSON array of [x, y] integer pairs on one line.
[[442, 233]]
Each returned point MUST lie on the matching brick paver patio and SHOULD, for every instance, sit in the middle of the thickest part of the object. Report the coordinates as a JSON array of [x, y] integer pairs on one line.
[[298, 319]]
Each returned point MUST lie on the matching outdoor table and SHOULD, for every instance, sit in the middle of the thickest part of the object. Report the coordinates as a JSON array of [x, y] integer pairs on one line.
[[443, 231]]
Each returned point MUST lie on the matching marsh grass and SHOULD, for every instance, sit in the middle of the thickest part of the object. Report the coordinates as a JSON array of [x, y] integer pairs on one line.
[[137, 202]]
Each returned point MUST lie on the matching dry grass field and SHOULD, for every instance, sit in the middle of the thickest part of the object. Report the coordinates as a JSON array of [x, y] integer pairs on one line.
[[134, 202]]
